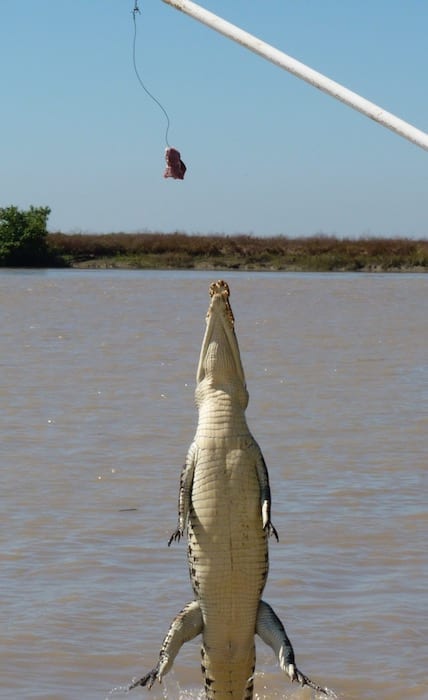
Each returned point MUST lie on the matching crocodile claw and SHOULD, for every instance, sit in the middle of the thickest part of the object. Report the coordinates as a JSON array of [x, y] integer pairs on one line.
[[304, 680], [146, 680], [176, 536], [271, 530]]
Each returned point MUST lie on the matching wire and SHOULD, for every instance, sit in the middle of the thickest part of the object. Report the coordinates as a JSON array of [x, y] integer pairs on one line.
[[135, 12]]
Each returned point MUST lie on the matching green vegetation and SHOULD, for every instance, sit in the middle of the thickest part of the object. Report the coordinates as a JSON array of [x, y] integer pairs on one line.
[[182, 251], [25, 242], [23, 237]]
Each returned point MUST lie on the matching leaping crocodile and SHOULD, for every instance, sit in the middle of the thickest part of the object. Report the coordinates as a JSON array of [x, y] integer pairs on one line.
[[225, 503]]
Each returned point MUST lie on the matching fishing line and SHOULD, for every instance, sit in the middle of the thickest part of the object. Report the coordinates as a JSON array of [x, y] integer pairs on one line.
[[135, 12], [175, 167]]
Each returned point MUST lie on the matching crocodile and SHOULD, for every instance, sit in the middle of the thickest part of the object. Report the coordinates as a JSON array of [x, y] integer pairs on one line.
[[225, 504]]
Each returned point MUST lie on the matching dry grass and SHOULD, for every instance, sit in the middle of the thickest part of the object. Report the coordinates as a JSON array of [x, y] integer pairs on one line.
[[180, 250]]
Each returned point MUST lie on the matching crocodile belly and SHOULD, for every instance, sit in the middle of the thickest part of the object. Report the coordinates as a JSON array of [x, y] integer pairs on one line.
[[228, 560]]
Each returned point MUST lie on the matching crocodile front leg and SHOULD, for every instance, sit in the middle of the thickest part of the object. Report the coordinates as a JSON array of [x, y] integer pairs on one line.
[[184, 627], [265, 498], [184, 497], [271, 630]]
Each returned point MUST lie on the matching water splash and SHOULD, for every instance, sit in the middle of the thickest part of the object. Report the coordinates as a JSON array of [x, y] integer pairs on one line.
[[120, 689], [174, 690], [170, 689]]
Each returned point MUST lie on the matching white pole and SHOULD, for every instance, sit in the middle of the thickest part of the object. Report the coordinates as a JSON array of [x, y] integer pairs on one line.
[[352, 99]]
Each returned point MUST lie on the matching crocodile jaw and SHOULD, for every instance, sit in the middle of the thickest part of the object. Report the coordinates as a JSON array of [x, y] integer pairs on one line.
[[220, 368]]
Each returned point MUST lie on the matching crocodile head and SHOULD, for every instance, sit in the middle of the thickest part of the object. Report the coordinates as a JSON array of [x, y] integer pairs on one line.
[[220, 364]]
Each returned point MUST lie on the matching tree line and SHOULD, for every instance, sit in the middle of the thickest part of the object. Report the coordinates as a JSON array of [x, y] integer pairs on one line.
[[26, 242]]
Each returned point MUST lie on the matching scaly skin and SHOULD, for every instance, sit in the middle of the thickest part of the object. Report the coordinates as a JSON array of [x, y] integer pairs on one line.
[[225, 503]]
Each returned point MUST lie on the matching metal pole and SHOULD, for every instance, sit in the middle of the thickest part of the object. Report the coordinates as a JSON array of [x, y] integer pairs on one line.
[[352, 99]]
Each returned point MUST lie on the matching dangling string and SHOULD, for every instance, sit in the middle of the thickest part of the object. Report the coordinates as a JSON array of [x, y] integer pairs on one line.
[[135, 12]]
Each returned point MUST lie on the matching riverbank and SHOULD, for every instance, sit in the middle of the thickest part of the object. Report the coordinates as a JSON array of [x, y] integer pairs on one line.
[[125, 264], [240, 252]]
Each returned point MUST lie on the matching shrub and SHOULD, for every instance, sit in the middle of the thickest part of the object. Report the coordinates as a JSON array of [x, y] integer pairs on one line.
[[23, 236]]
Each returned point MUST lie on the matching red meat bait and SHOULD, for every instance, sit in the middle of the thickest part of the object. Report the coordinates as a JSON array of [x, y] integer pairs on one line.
[[174, 165]]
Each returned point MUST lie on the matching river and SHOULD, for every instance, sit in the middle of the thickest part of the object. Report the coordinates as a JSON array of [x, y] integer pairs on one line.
[[97, 412]]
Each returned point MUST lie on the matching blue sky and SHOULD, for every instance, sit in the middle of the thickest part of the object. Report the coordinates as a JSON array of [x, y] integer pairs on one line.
[[266, 153]]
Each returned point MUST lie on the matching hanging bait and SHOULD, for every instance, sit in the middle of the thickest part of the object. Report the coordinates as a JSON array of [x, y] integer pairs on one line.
[[175, 167]]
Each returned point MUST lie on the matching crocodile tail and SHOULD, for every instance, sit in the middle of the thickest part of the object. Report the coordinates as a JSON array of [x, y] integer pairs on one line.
[[226, 680]]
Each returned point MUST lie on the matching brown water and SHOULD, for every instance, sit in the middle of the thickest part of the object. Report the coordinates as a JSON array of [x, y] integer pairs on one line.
[[97, 379]]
